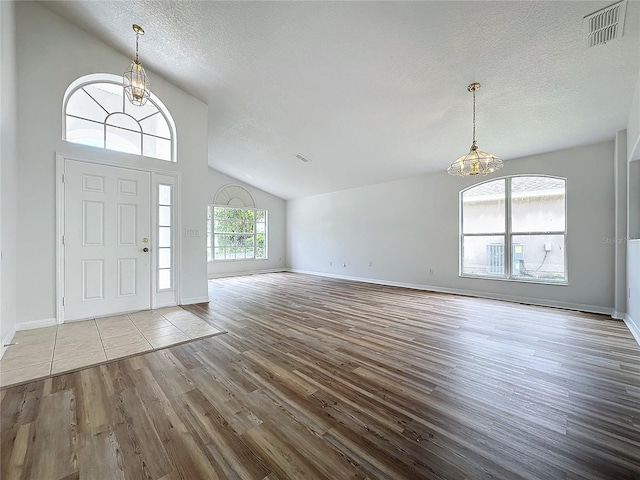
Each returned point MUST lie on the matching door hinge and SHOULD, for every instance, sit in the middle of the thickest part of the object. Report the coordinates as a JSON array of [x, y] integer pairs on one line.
[[63, 301], [63, 178], [63, 239]]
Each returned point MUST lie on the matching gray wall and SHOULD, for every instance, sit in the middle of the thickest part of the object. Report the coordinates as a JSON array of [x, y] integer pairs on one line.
[[408, 231], [8, 173], [276, 229]]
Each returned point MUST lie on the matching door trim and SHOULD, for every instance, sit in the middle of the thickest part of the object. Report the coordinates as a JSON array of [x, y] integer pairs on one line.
[[60, 223]]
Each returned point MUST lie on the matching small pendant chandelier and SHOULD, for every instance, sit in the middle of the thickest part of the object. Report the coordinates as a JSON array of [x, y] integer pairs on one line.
[[476, 162], [135, 80]]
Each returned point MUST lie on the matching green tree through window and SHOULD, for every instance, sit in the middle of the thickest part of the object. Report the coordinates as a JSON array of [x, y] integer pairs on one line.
[[236, 233]]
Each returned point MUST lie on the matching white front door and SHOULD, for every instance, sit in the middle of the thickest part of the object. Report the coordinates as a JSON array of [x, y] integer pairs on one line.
[[106, 232]]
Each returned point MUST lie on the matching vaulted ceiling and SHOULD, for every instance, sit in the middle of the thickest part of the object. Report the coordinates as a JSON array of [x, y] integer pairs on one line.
[[376, 91]]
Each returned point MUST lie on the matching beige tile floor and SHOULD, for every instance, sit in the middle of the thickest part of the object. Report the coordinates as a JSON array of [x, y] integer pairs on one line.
[[52, 350]]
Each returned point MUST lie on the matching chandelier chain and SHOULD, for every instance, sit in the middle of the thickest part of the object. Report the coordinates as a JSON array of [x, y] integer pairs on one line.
[[474, 116], [137, 38]]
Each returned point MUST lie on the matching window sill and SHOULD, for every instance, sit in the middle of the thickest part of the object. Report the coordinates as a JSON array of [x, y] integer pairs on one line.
[[516, 280]]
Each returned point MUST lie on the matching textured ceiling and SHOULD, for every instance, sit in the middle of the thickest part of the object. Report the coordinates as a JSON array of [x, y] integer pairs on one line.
[[376, 91]]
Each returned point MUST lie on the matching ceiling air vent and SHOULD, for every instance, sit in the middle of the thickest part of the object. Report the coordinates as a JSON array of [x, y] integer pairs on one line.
[[605, 25], [302, 158]]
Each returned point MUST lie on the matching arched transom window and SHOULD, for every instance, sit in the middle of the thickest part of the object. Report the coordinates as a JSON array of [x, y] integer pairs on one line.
[[96, 113]]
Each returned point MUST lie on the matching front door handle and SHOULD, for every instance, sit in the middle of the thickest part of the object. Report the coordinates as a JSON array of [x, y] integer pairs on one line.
[[145, 249]]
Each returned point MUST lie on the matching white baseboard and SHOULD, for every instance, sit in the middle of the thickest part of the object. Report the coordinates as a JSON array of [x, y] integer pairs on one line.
[[634, 327], [189, 301], [617, 315], [247, 272], [470, 293], [47, 322], [6, 341]]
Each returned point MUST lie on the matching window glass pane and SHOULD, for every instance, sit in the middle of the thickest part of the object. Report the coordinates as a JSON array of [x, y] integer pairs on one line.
[[537, 204], [164, 258], [164, 194], [484, 208], [85, 132], [156, 125], [81, 105], [139, 112], [123, 140], [164, 237], [156, 147], [538, 257], [234, 236], [260, 215], [483, 255], [103, 102], [164, 216], [123, 121], [109, 95], [164, 279]]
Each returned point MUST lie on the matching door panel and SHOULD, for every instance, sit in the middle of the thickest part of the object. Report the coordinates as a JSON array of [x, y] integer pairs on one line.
[[107, 216]]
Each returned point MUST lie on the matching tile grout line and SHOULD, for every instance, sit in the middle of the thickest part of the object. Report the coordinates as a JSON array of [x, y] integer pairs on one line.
[[53, 352], [183, 332], [100, 337], [141, 332], [148, 341]]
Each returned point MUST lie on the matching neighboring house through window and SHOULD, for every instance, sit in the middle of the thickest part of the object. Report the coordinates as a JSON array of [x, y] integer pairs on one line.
[[236, 230], [514, 228], [97, 113]]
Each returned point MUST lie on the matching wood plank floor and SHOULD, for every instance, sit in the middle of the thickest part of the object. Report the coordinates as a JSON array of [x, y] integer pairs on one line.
[[327, 379]]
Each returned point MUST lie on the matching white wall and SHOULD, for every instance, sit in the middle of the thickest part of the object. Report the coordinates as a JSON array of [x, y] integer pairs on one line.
[[633, 125], [276, 229], [409, 227], [633, 155], [8, 174], [633, 283], [633, 212], [51, 54]]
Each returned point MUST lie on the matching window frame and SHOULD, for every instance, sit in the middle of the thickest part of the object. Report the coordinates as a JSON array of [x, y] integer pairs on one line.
[[508, 235], [211, 234], [97, 78]]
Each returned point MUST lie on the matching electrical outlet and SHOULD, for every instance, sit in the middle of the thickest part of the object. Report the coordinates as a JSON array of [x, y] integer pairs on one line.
[[344, 264]]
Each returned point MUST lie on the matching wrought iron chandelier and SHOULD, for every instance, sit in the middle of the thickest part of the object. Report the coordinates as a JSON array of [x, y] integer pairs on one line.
[[135, 80], [476, 162]]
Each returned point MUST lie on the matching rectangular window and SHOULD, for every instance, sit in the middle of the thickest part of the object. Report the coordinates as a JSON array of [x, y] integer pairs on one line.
[[164, 237], [236, 233], [514, 228]]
